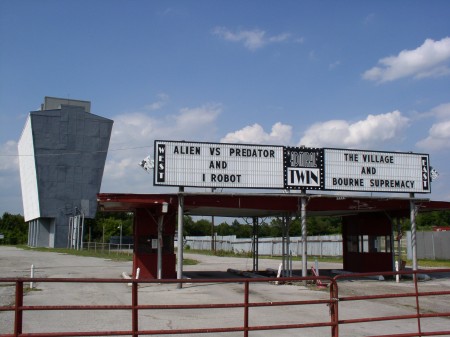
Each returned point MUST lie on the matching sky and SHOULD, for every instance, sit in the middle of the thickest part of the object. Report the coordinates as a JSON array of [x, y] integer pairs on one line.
[[369, 75]]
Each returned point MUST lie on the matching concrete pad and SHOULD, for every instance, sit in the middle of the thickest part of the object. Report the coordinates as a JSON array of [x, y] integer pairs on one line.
[[16, 263]]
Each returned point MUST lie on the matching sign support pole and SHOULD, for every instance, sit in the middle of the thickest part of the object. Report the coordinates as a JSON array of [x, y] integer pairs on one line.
[[304, 237], [180, 236], [160, 241], [412, 207]]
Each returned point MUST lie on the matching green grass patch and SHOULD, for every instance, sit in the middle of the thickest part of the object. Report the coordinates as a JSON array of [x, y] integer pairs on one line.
[[190, 262], [128, 256], [431, 263], [221, 253], [249, 254], [102, 254]]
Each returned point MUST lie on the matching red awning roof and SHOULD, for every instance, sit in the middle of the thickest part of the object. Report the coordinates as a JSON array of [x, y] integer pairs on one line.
[[265, 205]]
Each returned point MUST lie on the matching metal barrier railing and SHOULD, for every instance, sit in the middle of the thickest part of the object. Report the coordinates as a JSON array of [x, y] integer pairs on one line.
[[332, 299], [418, 315]]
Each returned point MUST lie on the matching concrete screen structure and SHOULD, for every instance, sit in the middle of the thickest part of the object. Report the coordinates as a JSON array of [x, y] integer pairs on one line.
[[62, 153]]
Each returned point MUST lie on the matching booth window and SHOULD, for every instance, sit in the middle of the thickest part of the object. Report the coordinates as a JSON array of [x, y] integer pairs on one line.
[[368, 244]]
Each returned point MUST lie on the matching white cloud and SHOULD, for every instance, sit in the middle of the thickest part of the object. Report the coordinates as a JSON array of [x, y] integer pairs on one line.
[[370, 132], [9, 161], [252, 39], [162, 100], [439, 133], [429, 60], [281, 134], [10, 197], [133, 137], [334, 65]]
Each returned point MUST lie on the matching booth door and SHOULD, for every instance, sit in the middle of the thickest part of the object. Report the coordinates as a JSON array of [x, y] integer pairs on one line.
[[367, 240], [145, 256]]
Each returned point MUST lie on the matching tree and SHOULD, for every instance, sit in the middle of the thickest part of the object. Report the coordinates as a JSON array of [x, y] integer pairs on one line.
[[224, 229], [14, 229], [428, 220], [106, 225], [201, 227]]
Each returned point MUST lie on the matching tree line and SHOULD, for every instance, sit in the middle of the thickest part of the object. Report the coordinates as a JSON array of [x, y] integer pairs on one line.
[[106, 225]]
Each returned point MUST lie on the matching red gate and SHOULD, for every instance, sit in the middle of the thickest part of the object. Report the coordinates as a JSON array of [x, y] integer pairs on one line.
[[331, 312]]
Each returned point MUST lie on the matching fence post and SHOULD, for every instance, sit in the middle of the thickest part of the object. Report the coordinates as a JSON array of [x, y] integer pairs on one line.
[[246, 296], [18, 318], [135, 310], [321, 246], [334, 308]]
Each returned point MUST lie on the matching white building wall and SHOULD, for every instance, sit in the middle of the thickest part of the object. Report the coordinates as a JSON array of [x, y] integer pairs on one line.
[[29, 186]]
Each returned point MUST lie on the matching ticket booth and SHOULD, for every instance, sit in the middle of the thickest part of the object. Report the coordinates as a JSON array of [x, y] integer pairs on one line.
[[368, 243], [146, 238]]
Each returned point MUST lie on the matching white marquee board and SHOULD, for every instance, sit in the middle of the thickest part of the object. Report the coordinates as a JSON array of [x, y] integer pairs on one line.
[[218, 165], [373, 171]]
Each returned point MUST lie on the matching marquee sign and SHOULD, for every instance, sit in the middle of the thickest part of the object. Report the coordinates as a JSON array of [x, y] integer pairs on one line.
[[218, 165], [222, 165], [373, 171], [303, 168]]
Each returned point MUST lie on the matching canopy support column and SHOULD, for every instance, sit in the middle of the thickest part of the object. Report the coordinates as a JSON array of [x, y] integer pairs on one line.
[[255, 244], [304, 237], [180, 236], [413, 211], [160, 241]]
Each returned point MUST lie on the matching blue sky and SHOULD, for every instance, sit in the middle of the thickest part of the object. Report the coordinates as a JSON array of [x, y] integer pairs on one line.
[[347, 74]]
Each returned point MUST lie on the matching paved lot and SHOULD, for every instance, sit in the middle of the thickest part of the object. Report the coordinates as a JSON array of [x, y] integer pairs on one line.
[[16, 263]]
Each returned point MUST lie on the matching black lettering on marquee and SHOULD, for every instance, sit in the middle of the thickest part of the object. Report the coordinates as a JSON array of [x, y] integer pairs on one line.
[[218, 164], [225, 178], [214, 151], [351, 157], [186, 150], [368, 170]]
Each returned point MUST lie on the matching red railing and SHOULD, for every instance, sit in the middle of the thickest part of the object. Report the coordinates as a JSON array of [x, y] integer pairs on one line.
[[330, 306]]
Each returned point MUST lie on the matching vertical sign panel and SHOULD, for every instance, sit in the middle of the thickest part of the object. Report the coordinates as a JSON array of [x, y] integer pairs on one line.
[[373, 171], [218, 165]]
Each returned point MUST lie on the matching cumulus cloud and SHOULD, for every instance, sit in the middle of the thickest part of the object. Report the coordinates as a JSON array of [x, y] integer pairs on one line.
[[133, 137], [431, 59], [439, 134], [10, 198], [161, 102], [370, 132], [9, 161], [252, 39], [254, 134]]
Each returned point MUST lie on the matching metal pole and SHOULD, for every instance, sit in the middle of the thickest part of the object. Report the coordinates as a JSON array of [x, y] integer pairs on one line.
[[120, 241], [412, 207], [288, 245], [160, 224], [69, 234], [82, 229], [212, 234], [255, 244], [304, 238], [180, 236], [283, 246]]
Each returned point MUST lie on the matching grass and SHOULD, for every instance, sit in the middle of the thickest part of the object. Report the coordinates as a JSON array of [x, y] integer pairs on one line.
[[423, 263], [114, 256], [125, 256], [249, 254]]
